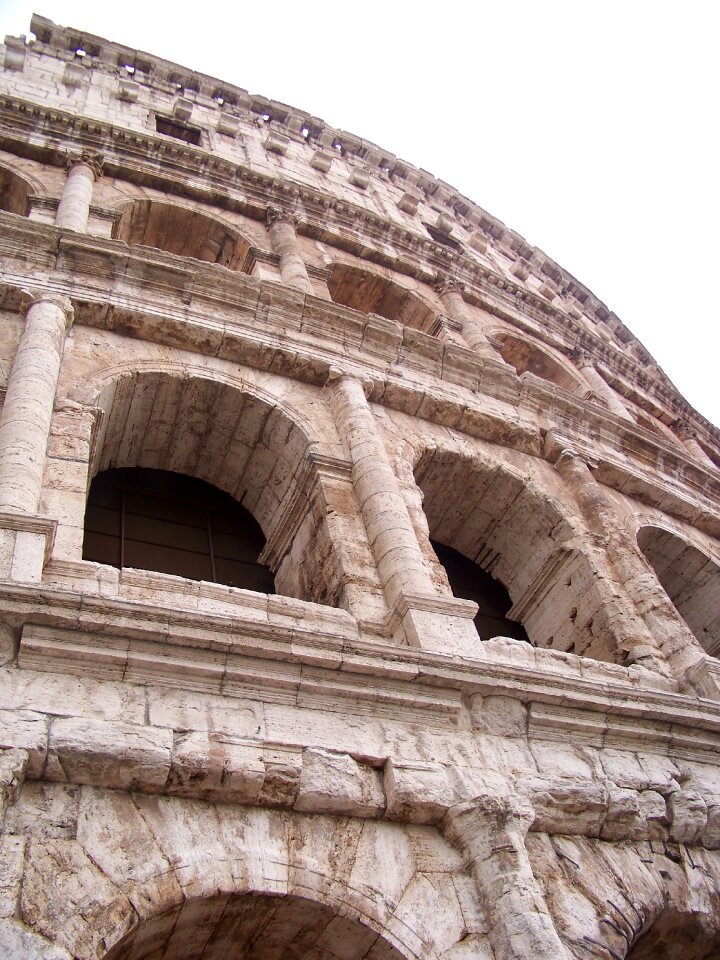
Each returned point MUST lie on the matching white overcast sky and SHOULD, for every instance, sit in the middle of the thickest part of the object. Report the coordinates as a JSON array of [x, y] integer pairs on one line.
[[591, 128]]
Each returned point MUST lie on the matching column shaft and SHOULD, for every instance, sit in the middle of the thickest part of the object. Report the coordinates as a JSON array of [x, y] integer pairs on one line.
[[284, 243], [74, 207], [599, 386], [390, 531], [490, 833], [27, 412], [654, 631], [457, 310]]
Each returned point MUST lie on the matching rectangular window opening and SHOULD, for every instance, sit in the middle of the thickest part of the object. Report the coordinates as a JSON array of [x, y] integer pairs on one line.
[[171, 128]]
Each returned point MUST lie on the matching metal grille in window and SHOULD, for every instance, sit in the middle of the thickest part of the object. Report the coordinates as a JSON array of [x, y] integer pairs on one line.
[[171, 523]]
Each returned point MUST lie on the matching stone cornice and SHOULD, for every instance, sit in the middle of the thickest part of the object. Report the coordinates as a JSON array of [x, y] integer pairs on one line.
[[162, 77], [264, 653], [143, 158]]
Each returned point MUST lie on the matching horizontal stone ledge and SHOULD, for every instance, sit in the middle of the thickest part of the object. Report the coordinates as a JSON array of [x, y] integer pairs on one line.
[[217, 767], [559, 681]]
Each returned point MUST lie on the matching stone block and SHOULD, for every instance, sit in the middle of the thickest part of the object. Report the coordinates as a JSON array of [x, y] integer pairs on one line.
[[118, 755], [566, 806], [212, 765], [418, 792], [335, 783], [501, 716], [689, 814], [26, 730]]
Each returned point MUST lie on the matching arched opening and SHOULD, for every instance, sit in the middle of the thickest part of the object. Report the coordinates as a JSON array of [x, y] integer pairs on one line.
[[678, 936], [469, 582], [518, 534], [252, 927], [171, 523], [372, 293], [527, 357], [14, 193], [182, 231], [690, 579], [241, 444]]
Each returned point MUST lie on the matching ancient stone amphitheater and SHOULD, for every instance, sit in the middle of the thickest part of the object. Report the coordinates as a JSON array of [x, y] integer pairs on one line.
[[359, 569]]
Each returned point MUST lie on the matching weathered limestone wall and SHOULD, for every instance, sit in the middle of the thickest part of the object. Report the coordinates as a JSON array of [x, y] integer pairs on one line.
[[198, 280]]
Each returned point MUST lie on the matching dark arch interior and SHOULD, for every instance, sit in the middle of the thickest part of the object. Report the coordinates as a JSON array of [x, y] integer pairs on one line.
[[13, 193], [676, 936], [252, 927], [172, 523], [469, 582], [690, 579], [526, 357], [371, 293], [184, 232]]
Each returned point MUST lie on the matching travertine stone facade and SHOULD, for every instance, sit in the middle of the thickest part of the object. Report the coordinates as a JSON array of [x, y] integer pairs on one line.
[[199, 280]]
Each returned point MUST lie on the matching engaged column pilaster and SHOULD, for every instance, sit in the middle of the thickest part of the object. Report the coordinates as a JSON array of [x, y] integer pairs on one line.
[[74, 207], [27, 412], [658, 636], [281, 227], [425, 618], [451, 295], [490, 833], [598, 385]]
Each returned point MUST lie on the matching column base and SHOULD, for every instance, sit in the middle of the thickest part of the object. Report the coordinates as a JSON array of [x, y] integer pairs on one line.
[[26, 542], [437, 624]]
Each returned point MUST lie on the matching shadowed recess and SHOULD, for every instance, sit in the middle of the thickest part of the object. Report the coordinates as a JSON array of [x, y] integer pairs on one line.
[[526, 357], [14, 193], [371, 293], [469, 582], [678, 936], [690, 579], [252, 927], [184, 232], [157, 520]]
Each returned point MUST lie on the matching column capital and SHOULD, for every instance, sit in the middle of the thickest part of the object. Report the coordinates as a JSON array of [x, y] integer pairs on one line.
[[445, 284], [337, 375], [684, 430], [275, 215], [29, 297], [582, 358], [88, 158]]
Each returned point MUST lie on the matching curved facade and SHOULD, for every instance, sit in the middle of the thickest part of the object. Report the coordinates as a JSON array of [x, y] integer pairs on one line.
[[218, 296]]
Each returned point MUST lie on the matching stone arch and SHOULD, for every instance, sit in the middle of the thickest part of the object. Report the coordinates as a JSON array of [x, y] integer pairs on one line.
[[239, 439], [526, 356], [15, 192], [183, 231], [690, 578], [517, 531], [138, 860], [371, 292], [675, 935], [256, 927]]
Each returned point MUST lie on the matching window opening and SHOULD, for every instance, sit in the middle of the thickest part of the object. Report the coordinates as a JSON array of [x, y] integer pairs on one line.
[[468, 581], [175, 524], [171, 128]]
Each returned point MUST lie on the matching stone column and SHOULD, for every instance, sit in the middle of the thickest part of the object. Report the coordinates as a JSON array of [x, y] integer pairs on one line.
[[651, 632], [685, 432], [599, 386], [74, 207], [490, 833], [281, 227], [450, 293], [26, 414], [426, 618]]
